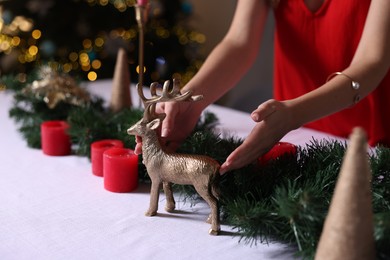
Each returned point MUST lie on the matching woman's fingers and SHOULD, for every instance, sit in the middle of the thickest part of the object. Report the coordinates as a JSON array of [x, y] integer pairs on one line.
[[264, 110], [169, 121], [272, 119], [248, 152], [138, 145]]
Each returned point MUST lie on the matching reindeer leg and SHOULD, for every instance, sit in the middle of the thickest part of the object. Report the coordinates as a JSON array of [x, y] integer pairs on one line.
[[154, 194], [213, 203], [215, 225], [170, 205]]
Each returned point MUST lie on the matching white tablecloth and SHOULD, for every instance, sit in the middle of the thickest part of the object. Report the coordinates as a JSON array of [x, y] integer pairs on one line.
[[54, 208]]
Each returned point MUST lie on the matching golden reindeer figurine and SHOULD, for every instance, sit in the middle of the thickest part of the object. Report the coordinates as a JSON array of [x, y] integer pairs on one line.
[[167, 168]]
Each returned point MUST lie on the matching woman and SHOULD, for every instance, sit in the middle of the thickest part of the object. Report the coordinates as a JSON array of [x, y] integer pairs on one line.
[[332, 63]]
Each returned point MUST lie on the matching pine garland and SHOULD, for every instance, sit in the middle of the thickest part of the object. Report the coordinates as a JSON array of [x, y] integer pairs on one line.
[[285, 200]]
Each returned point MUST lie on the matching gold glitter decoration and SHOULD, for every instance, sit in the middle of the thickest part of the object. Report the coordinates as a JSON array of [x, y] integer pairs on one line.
[[54, 88], [167, 167]]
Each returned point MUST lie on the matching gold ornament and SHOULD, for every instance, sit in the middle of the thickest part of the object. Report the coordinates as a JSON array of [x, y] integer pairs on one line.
[[54, 87], [163, 167], [120, 95]]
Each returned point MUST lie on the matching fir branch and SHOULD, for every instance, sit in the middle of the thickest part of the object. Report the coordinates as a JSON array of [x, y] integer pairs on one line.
[[246, 213], [88, 124], [382, 234], [289, 203], [16, 82], [380, 165]]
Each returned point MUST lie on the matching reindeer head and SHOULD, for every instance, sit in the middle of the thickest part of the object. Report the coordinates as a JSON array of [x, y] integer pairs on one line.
[[141, 128], [152, 120]]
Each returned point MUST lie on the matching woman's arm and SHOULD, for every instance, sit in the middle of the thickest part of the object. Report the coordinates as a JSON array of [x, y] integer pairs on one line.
[[234, 55], [223, 68]]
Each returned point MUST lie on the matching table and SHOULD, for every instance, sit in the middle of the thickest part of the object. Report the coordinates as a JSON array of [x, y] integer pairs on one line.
[[55, 208]]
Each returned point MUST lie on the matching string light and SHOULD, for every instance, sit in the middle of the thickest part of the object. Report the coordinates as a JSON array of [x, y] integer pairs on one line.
[[88, 59], [36, 34], [33, 50], [73, 56], [137, 69], [96, 64], [67, 67], [99, 42], [92, 75], [15, 41]]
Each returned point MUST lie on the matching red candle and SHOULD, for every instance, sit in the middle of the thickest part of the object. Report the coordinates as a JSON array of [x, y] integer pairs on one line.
[[281, 148], [54, 138], [97, 150], [120, 170]]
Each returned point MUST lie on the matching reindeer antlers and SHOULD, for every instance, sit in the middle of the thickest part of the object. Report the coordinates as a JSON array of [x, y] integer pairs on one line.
[[166, 96], [173, 95]]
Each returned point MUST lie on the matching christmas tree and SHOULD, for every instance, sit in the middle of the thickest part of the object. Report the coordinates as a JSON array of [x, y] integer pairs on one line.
[[82, 37]]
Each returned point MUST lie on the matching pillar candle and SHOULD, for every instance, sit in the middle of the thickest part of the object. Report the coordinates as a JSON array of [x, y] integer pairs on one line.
[[54, 138], [97, 149], [120, 170], [281, 148]]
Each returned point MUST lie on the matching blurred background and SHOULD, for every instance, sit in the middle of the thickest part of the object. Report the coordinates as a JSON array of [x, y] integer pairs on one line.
[[82, 38]]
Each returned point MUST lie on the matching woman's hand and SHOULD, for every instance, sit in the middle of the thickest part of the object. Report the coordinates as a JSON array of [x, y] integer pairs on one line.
[[274, 120], [180, 120]]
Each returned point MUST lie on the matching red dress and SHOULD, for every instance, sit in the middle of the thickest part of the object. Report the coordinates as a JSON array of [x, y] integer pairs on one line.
[[309, 46]]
